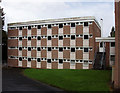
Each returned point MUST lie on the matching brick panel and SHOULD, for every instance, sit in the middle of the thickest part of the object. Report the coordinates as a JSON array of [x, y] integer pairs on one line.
[[33, 53], [24, 43], [43, 42], [54, 41], [13, 62], [34, 31], [43, 65], [33, 63], [79, 65], [13, 43], [12, 52], [54, 54], [55, 30], [66, 54], [54, 65], [66, 42], [24, 52], [90, 66], [79, 42], [44, 31], [24, 32], [24, 63], [66, 30], [91, 55], [66, 65], [12, 33], [107, 49], [43, 53], [79, 54], [34, 42], [79, 29]]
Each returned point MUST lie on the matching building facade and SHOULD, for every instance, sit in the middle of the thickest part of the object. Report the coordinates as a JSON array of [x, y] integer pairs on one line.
[[67, 43]]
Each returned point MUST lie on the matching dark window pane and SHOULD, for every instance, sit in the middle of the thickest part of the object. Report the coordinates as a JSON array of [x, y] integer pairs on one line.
[[39, 38], [85, 49], [38, 49], [20, 48], [20, 28], [29, 38], [60, 37], [20, 59], [101, 44], [72, 36], [38, 60], [112, 44], [29, 27], [39, 27], [49, 60], [72, 49], [60, 25], [29, 59], [60, 49], [85, 23], [49, 37], [72, 24], [29, 48], [49, 26], [49, 48], [85, 36], [20, 38], [60, 61]]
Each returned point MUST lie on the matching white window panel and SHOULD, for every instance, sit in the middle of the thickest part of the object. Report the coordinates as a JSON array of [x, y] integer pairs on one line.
[[38, 32], [20, 63], [60, 43], [86, 56], [28, 64], [48, 65], [85, 30], [20, 43], [72, 43], [28, 43], [29, 53], [38, 43], [112, 50], [72, 66], [20, 32], [29, 32], [85, 65], [60, 55], [60, 66], [86, 43], [38, 54], [49, 55], [72, 30], [49, 43], [72, 55], [49, 32], [38, 64], [20, 53], [60, 31]]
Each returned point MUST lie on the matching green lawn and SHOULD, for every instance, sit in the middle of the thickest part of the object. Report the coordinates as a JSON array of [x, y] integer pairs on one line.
[[72, 80]]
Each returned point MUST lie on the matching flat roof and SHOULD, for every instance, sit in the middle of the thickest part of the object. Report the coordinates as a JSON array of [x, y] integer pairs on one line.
[[105, 39], [50, 21]]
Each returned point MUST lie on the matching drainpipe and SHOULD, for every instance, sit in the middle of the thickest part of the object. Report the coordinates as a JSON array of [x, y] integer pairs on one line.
[[101, 27]]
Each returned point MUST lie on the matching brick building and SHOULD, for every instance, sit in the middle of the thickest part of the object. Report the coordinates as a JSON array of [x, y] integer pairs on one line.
[[67, 43]]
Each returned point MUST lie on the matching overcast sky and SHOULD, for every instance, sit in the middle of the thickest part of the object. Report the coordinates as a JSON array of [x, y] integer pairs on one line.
[[30, 10]]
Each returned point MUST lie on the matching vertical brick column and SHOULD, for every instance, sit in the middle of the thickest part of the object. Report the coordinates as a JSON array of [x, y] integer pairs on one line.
[[54, 65], [79, 65], [66, 65], [107, 49]]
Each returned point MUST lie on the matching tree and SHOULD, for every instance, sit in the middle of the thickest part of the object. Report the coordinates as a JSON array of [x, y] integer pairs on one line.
[[112, 33]]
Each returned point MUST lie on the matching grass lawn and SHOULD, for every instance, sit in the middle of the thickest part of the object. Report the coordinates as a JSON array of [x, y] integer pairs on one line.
[[72, 80]]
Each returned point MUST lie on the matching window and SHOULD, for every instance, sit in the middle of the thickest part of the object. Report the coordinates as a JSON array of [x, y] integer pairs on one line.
[[49, 48], [60, 61], [85, 23], [60, 37], [72, 24], [20, 48], [72, 49], [85, 36], [72, 36], [77, 23], [112, 57], [29, 38], [112, 44], [101, 44], [64, 23], [38, 38], [20, 38], [20, 28], [49, 60], [29, 59], [60, 49], [39, 27], [60, 25], [85, 49], [29, 48], [38, 60], [49, 37], [38, 49], [29, 27], [65, 36], [49, 26], [20, 59]]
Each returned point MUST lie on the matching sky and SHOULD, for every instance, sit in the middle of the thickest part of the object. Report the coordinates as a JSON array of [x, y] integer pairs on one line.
[[31, 10]]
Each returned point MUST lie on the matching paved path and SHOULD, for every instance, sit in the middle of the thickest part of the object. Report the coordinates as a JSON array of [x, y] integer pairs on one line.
[[13, 80]]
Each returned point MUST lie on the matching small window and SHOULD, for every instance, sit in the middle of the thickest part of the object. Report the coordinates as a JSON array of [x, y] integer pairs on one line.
[[101, 44], [29, 48], [49, 48], [85, 23], [60, 25], [64, 23], [112, 57], [77, 23], [72, 37], [20, 38], [38, 49], [20, 48], [60, 49], [49, 37], [29, 59], [72, 24], [60, 37], [49, 60], [85, 49], [64, 47], [65, 36], [38, 38], [85, 36], [49, 26], [39, 27], [38, 60], [20, 28], [20, 59], [60, 61], [72, 49], [112, 44], [29, 27], [29, 38]]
